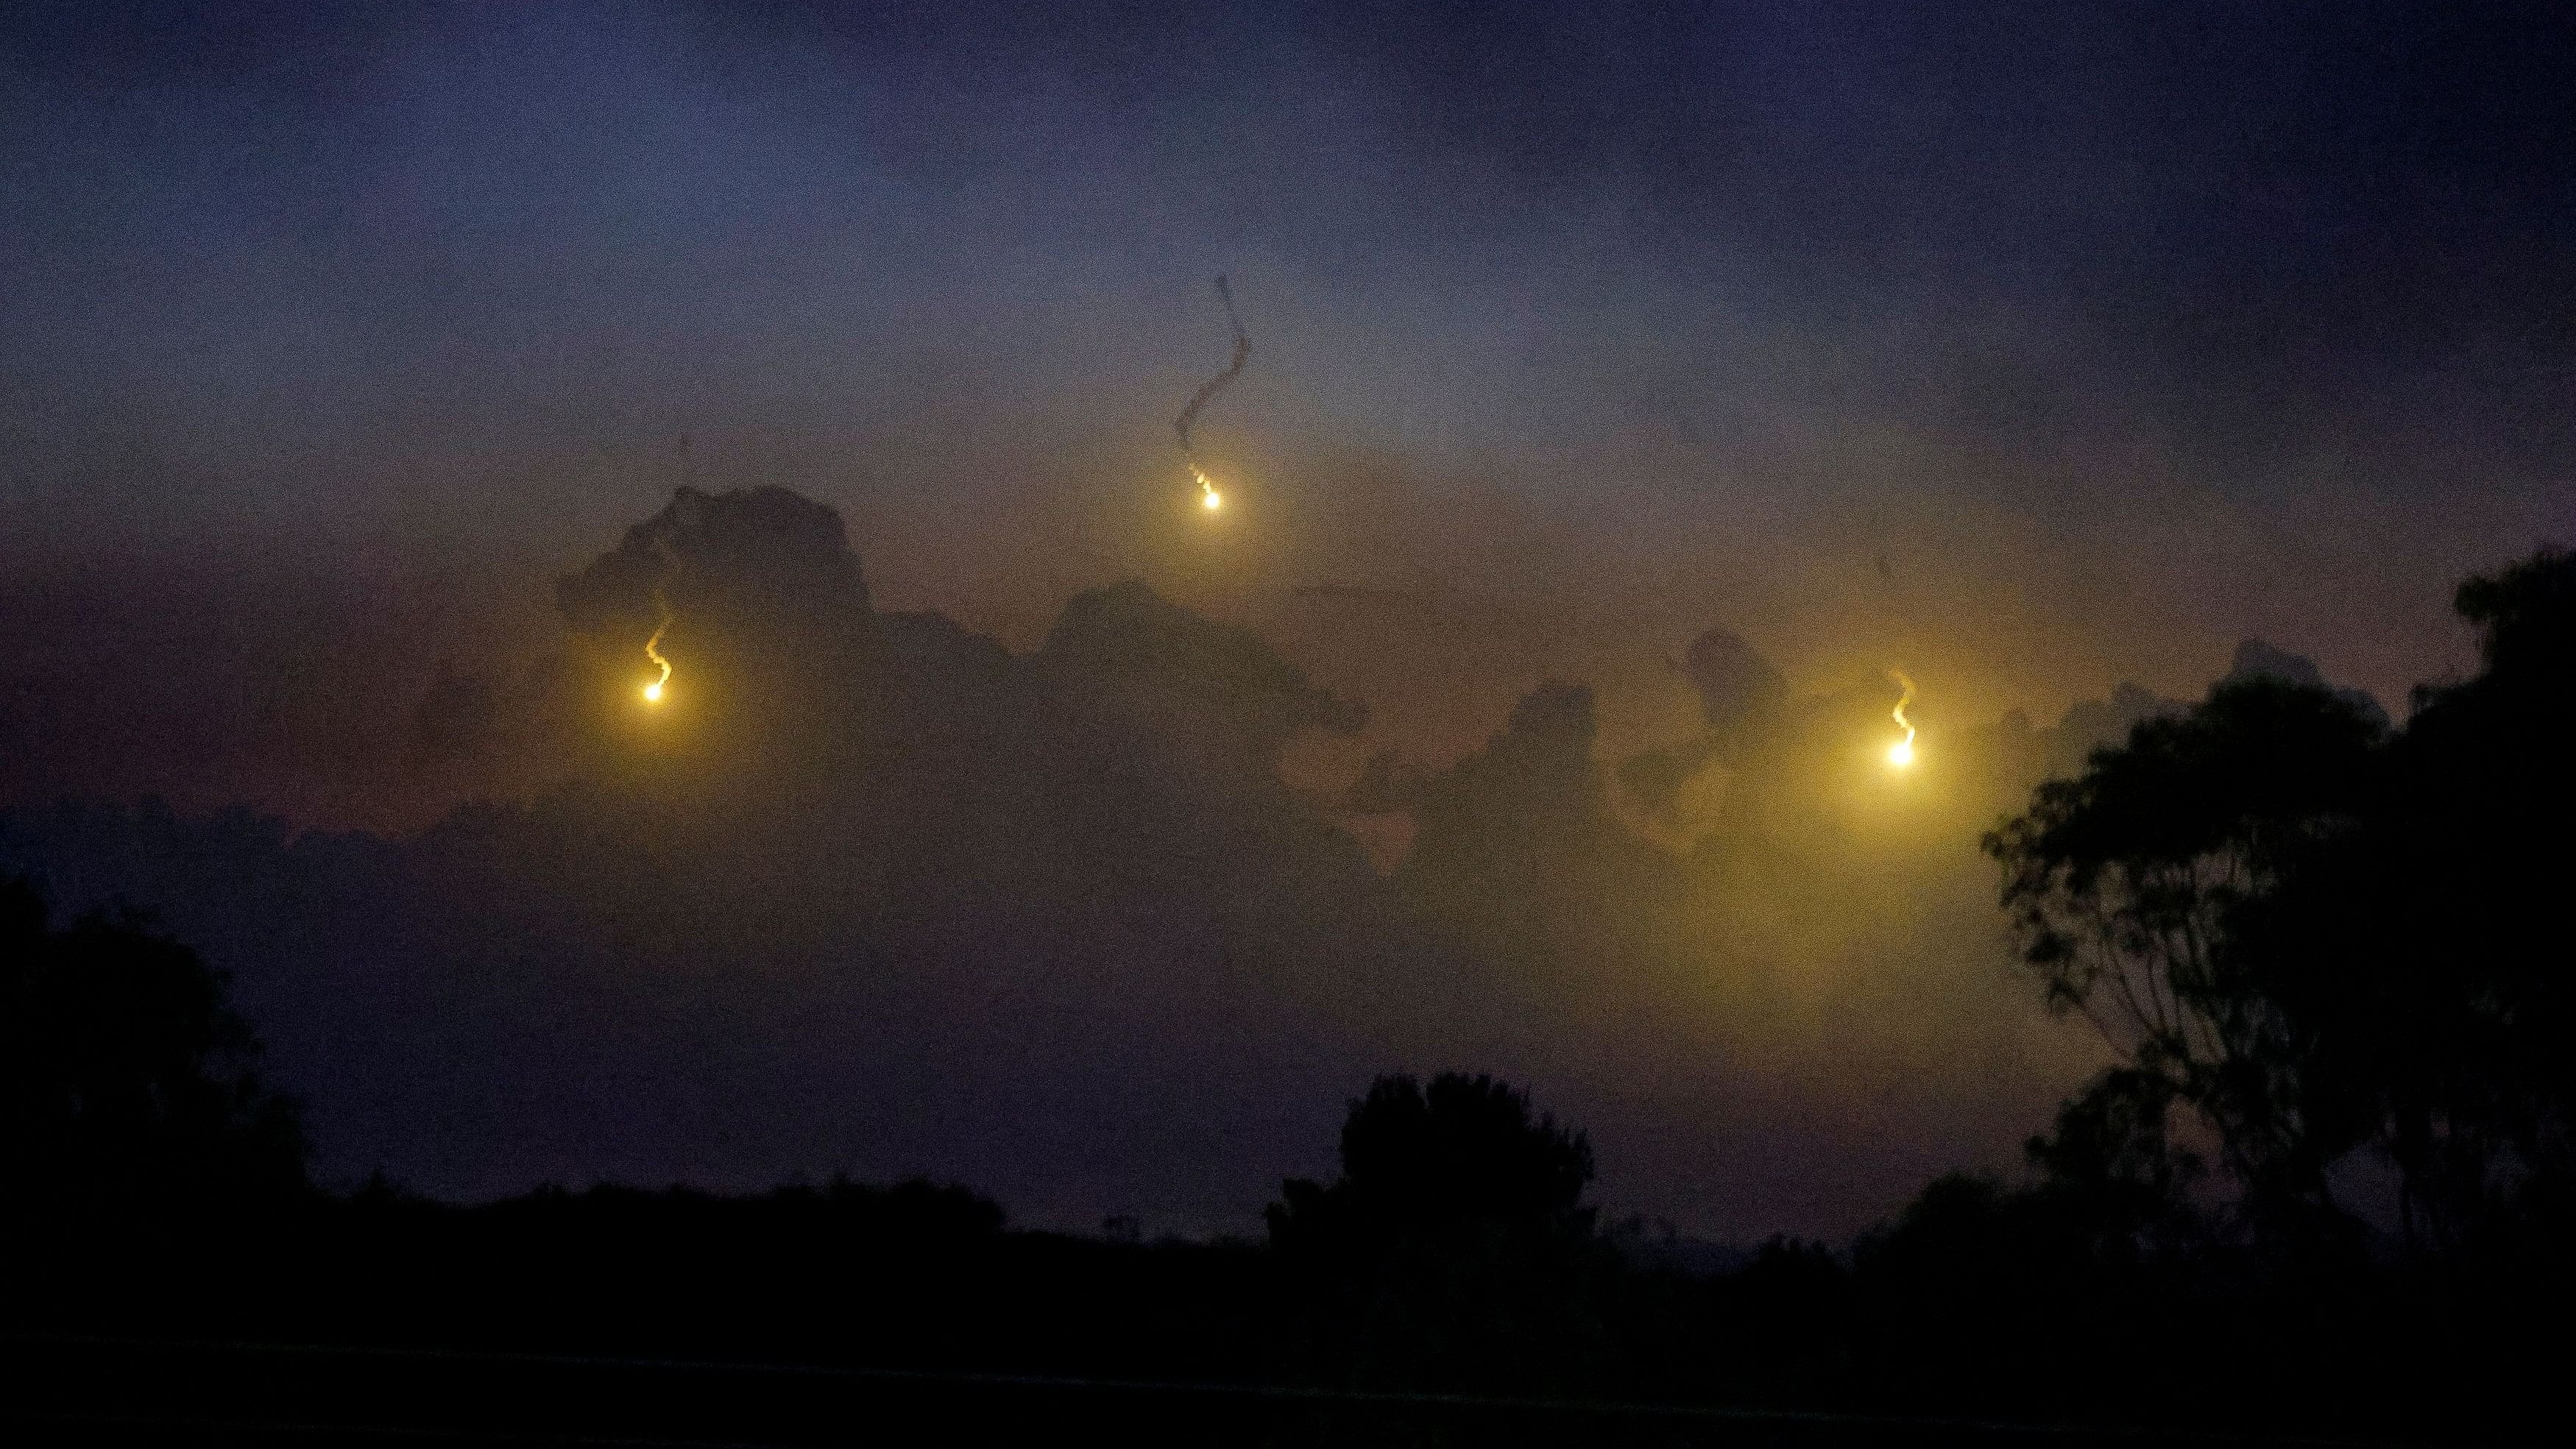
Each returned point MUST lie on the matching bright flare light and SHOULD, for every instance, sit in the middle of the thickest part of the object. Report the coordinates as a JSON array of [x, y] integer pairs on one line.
[[1901, 754], [1209, 498], [653, 651]]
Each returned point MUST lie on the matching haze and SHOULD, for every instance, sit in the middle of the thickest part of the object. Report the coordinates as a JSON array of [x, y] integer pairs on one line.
[[1718, 362]]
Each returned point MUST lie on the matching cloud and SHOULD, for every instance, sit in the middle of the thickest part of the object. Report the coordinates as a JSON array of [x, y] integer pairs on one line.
[[876, 893], [879, 894], [1738, 688], [1741, 697], [2255, 659]]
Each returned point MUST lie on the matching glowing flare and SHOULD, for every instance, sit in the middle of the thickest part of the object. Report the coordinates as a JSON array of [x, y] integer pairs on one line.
[[653, 651], [1901, 754], [1209, 498]]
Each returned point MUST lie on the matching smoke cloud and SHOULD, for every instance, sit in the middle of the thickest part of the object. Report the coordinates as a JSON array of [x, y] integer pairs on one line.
[[877, 893]]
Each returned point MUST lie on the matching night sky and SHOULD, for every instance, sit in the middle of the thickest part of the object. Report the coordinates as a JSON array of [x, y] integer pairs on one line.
[[2045, 353]]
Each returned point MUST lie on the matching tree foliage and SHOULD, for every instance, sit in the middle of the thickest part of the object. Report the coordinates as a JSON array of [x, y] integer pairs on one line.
[[1455, 1248], [129, 1102], [2315, 936]]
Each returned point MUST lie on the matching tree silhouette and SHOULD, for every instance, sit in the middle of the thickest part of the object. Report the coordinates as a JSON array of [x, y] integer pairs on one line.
[[129, 1104], [2126, 887], [2318, 936], [1455, 1249], [2431, 944]]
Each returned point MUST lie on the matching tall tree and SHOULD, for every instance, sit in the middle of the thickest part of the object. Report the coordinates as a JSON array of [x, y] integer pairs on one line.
[[2126, 886], [2431, 945], [2318, 936]]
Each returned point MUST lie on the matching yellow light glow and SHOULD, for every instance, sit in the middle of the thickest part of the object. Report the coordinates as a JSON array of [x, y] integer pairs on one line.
[[1901, 754], [653, 651], [1211, 500]]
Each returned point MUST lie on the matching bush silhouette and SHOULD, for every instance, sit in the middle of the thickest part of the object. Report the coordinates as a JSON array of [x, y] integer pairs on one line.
[[128, 1104], [1455, 1249]]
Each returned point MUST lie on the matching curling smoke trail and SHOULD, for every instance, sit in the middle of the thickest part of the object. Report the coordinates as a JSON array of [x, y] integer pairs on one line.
[[1214, 385], [1902, 752], [653, 651]]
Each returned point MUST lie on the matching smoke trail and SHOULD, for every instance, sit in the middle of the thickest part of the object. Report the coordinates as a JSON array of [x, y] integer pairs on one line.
[[1902, 752], [653, 649], [1216, 384]]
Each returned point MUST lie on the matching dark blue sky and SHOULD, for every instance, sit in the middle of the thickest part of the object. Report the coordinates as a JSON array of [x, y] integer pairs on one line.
[[2123, 331]]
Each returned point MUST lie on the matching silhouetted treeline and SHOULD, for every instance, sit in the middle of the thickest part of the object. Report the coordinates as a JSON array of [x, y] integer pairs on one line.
[[1455, 1253]]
